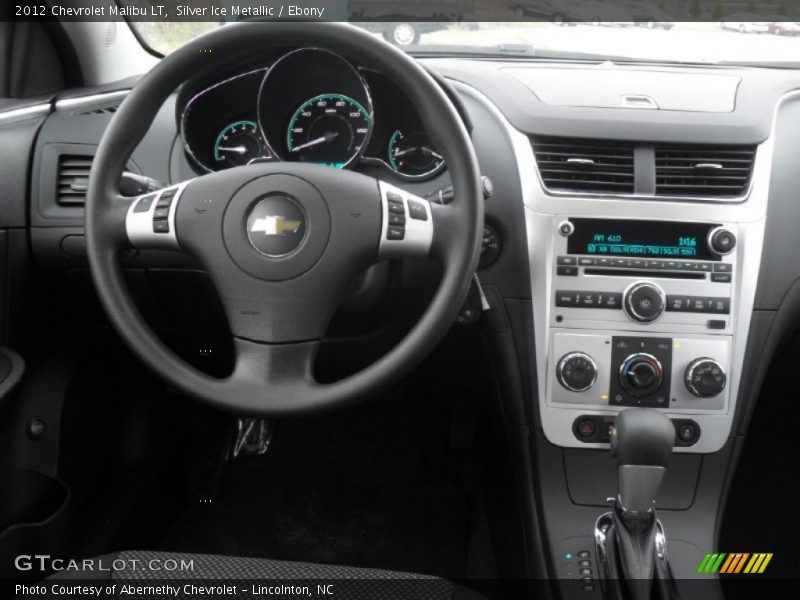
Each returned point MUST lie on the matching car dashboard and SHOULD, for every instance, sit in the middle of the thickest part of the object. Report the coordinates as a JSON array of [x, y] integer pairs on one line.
[[640, 246]]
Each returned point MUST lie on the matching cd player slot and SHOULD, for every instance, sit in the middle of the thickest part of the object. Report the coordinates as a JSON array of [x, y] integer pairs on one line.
[[642, 273]]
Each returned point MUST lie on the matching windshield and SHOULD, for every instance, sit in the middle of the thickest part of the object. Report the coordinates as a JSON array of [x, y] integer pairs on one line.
[[750, 42]]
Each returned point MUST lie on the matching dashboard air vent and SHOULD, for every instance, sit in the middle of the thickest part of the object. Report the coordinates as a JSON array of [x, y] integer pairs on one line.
[[700, 170], [73, 179], [583, 165], [101, 110]]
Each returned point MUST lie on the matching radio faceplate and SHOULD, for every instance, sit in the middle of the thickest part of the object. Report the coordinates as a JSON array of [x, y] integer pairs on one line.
[[633, 272]]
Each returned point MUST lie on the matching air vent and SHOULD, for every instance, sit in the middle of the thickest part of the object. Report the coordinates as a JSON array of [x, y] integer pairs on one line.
[[102, 110], [703, 170], [581, 165], [73, 179]]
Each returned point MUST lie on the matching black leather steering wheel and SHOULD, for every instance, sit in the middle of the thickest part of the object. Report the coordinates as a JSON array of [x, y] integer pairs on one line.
[[282, 242]]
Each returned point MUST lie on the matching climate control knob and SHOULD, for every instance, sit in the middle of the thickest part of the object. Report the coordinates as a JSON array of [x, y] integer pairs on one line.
[[576, 371], [641, 375], [644, 301], [705, 378]]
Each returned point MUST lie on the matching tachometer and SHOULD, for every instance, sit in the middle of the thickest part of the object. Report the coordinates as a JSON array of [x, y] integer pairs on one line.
[[413, 154], [328, 129], [237, 144]]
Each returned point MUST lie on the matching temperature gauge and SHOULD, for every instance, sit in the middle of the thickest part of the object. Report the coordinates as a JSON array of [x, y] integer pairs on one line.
[[413, 154]]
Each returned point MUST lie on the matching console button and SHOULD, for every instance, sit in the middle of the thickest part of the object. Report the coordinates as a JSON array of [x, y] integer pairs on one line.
[[567, 271], [611, 300], [576, 371], [589, 299], [653, 264], [721, 277], [566, 260], [676, 303], [644, 301], [723, 267], [720, 306], [604, 262], [586, 428], [622, 262], [586, 261], [566, 299]]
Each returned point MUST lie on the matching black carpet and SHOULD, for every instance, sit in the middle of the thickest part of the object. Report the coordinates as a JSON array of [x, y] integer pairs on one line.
[[372, 487]]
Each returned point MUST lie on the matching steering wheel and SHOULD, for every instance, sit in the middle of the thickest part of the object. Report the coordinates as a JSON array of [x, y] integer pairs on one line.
[[282, 242]]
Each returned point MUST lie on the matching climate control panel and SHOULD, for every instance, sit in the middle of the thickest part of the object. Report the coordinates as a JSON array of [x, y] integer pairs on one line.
[[604, 370]]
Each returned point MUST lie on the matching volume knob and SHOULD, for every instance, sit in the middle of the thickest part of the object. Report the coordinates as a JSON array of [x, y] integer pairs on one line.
[[644, 301], [705, 378]]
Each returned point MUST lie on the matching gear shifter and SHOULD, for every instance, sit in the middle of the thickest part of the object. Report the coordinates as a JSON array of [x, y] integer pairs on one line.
[[642, 443], [634, 546]]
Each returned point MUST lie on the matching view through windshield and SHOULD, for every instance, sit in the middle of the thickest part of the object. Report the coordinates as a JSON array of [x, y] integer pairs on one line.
[[763, 42]]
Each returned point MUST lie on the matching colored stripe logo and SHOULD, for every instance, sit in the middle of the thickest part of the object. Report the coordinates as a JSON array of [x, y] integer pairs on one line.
[[734, 563]]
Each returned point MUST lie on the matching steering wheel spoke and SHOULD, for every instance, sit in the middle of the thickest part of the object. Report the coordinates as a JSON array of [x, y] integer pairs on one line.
[[265, 371], [150, 219]]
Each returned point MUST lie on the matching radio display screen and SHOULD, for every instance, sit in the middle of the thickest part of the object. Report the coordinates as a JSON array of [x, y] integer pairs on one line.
[[641, 239]]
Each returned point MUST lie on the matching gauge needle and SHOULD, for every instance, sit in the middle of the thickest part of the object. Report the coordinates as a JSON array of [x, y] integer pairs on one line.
[[236, 149], [433, 153], [404, 152], [328, 137]]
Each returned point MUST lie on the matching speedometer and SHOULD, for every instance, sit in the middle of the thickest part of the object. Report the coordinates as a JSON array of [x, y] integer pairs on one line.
[[328, 129]]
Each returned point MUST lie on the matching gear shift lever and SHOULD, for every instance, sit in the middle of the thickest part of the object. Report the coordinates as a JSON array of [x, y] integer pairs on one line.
[[642, 443], [634, 553]]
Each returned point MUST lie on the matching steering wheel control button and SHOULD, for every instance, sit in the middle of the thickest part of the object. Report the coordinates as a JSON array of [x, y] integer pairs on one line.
[[144, 203], [640, 371], [160, 226], [276, 226], [407, 224], [566, 228], [160, 213], [721, 241], [576, 372], [417, 210], [705, 378], [395, 233], [644, 301]]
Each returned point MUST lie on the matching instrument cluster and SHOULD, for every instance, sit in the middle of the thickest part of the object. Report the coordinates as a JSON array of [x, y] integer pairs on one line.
[[308, 105]]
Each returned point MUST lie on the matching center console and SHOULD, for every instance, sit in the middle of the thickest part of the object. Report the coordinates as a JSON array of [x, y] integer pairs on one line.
[[640, 315]]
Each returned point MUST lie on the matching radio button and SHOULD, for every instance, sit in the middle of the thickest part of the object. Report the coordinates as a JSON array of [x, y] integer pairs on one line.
[[721, 277], [637, 263], [723, 268], [704, 266], [566, 260], [654, 264], [586, 261], [622, 262], [672, 265], [604, 262], [721, 241], [567, 271], [611, 300], [566, 299]]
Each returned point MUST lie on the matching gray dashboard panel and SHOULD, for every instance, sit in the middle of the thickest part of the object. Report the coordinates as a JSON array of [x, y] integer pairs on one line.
[[750, 121]]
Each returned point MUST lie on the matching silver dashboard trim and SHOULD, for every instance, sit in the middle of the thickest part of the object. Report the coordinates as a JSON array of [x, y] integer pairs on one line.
[[26, 112], [86, 101], [540, 209]]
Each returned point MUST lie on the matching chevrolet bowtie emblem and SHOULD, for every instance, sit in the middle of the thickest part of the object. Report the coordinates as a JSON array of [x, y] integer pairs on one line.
[[275, 225]]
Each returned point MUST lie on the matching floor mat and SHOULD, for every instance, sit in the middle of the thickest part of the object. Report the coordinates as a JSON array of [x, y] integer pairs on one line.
[[372, 487]]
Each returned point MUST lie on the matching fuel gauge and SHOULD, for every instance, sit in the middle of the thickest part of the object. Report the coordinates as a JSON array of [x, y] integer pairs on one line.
[[413, 154]]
